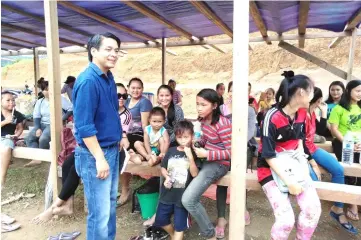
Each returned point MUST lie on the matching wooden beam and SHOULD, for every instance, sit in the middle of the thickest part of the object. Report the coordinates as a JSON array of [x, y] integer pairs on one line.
[[36, 70], [32, 32], [212, 16], [351, 55], [104, 20], [338, 192], [351, 24], [353, 170], [298, 52], [302, 21], [306, 36], [41, 19], [52, 44], [140, 7], [257, 18], [14, 44], [239, 127], [164, 58], [217, 48], [20, 40]]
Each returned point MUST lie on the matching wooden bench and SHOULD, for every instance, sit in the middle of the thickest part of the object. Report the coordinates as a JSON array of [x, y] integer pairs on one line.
[[326, 191]]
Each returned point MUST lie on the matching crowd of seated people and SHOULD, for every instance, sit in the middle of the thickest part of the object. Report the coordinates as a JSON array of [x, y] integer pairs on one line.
[[287, 120]]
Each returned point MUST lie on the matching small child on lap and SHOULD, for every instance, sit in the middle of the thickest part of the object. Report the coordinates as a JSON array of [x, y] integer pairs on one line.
[[156, 138], [179, 167]]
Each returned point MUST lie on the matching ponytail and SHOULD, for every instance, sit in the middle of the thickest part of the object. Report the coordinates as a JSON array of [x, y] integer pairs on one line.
[[289, 86]]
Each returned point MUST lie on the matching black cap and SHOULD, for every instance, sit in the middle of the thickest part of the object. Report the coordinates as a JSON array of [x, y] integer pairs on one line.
[[70, 79]]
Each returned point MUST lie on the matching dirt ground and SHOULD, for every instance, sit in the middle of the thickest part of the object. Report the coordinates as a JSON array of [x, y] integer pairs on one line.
[[32, 180]]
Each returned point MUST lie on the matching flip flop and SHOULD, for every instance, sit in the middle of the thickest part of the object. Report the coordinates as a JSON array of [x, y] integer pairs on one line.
[[9, 227], [354, 216], [347, 226], [5, 219], [220, 232], [65, 236]]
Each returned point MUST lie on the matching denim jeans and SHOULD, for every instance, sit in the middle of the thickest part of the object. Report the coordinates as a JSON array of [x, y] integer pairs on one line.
[[209, 173], [43, 141], [101, 195], [328, 162]]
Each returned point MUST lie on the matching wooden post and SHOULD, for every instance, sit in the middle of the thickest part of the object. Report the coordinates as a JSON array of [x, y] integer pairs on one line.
[[351, 55], [164, 48], [52, 45], [36, 70], [239, 124]]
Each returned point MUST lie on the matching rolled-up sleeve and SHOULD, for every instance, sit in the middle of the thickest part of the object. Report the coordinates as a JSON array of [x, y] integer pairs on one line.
[[85, 103]]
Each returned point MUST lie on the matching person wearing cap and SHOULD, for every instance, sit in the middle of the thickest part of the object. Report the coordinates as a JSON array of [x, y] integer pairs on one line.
[[68, 87], [177, 96]]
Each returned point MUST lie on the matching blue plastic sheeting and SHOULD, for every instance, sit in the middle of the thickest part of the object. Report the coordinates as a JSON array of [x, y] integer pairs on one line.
[[279, 16], [282, 16]]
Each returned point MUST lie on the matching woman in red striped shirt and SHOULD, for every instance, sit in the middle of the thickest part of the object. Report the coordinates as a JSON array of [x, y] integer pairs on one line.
[[216, 139]]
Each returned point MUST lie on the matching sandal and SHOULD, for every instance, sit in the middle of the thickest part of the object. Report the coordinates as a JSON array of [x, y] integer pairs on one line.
[[122, 202], [351, 215], [5, 219], [9, 227], [247, 219], [220, 232], [347, 226]]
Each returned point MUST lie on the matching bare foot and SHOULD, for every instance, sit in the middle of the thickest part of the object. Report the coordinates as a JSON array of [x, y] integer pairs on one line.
[[66, 209], [43, 217], [152, 161], [136, 158], [150, 221], [32, 163], [124, 198]]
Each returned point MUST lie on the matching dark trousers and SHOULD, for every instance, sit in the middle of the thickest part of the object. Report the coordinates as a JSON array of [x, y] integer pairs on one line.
[[70, 178]]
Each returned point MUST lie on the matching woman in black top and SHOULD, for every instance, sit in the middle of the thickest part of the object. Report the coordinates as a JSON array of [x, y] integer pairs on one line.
[[11, 128]]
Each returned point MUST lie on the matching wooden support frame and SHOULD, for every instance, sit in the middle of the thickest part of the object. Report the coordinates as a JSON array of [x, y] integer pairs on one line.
[[32, 32], [302, 21], [306, 36], [36, 70], [351, 55], [52, 44], [104, 20], [140, 7], [257, 18], [217, 48], [20, 40], [212, 16], [164, 59], [41, 19], [239, 126], [298, 52], [351, 24]]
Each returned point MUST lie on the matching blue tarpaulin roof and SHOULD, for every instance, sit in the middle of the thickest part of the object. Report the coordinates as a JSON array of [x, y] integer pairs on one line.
[[279, 16]]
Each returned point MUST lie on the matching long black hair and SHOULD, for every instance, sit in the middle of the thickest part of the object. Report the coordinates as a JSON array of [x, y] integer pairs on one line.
[[211, 96], [317, 94], [345, 101], [289, 86], [171, 108], [334, 83]]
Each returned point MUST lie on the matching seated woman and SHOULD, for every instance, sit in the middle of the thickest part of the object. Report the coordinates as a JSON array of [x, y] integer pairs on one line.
[[174, 113], [335, 91], [323, 158], [64, 204], [344, 118], [216, 139], [39, 136], [139, 108], [11, 128]]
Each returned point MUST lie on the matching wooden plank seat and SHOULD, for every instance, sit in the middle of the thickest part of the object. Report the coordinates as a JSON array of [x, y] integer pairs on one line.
[[326, 191]]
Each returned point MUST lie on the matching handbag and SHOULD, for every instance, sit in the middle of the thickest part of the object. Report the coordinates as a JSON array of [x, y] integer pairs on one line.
[[294, 166]]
